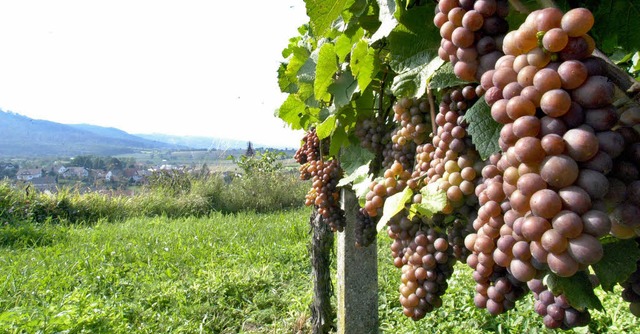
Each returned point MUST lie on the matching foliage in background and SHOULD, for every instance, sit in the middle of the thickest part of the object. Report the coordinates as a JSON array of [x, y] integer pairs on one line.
[[170, 194], [267, 162]]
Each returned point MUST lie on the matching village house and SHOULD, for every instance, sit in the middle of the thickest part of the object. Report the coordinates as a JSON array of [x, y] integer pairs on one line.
[[73, 172], [29, 174]]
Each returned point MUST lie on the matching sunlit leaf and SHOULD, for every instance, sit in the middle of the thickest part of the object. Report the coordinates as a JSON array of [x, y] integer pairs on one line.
[[326, 68], [392, 205]]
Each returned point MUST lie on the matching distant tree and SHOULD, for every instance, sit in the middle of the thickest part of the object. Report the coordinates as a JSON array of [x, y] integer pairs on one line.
[[114, 164], [8, 170], [85, 161], [249, 152]]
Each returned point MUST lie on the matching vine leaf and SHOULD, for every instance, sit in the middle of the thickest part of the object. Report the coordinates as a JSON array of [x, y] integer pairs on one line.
[[445, 78], [413, 37], [616, 24], [412, 81], [354, 157], [364, 64], [291, 111], [355, 176], [343, 89], [325, 70], [325, 129], [338, 139], [359, 180], [387, 18], [392, 205], [433, 201], [483, 129], [287, 75], [577, 288], [345, 42], [322, 13], [618, 262]]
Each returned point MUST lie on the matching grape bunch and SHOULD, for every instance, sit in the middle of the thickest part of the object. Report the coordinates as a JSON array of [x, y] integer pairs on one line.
[[365, 229], [555, 310], [394, 152], [324, 193], [426, 260], [557, 186], [450, 160], [499, 292], [373, 133], [310, 149], [394, 181], [412, 117], [498, 259], [456, 233], [472, 32], [553, 115], [622, 202]]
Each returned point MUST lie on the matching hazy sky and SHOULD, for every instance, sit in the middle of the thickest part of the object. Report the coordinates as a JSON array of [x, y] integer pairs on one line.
[[185, 67]]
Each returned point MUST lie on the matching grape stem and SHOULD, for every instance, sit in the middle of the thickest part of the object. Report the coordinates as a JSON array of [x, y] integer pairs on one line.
[[619, 77], [548, 3], [519, 6]]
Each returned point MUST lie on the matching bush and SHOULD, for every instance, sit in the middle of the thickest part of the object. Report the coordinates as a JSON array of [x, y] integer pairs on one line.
[[173, 195], [263, 192]]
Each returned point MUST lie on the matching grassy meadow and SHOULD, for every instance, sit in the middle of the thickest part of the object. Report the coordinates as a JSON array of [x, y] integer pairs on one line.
[[205, 257], [233, 273]]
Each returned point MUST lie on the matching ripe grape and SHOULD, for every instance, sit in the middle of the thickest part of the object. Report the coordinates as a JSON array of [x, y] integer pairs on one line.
[[470, 34]]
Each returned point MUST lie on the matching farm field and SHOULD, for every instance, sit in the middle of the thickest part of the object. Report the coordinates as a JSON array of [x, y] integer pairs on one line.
[[236, 273]]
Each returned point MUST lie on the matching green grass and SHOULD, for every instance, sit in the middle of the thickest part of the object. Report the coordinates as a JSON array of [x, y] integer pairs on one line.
[[240, 273], [222, 274]]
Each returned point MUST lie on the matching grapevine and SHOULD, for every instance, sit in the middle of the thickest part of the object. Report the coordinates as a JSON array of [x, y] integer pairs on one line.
[[514, 150]]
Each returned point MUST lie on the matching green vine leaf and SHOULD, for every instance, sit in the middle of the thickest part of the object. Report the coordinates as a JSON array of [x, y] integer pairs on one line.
[[433, 201], [291, 111], [298, 56], [616, 24], [359, 180], [325, 129], [483, 129], [392, 205], [325, 70], [364, 64], [413, 37], [343, 89], [387, 19], [357, 175], [354, 157], [339, 139], [445, 78], [322, 13], [412, 81], [577, 288], [618, 262]]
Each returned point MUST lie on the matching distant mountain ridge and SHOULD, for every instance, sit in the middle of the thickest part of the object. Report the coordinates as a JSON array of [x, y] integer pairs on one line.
[[197, 141], [21, 136]]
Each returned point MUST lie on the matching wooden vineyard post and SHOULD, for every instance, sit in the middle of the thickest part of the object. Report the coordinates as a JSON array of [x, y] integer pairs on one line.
[[357, 277], [322, 315]]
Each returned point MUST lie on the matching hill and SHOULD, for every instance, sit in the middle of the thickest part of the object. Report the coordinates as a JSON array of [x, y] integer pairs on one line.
[[26, 137], [197, 142]]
